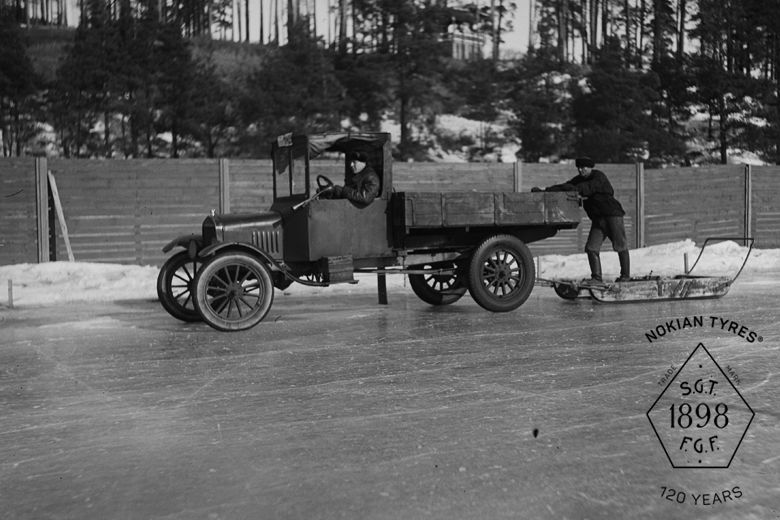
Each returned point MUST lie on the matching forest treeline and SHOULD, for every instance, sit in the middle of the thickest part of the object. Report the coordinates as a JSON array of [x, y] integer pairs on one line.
[[620, 80]]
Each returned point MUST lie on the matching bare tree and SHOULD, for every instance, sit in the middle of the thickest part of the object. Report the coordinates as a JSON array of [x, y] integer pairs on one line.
[[246, 16], [681, 19], [342, 22], [562, 9], [261, 12], [276, 21], [594, 27]]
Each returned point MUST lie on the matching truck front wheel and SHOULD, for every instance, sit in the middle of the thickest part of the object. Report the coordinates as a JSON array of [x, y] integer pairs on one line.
[[501, 273], [233, 291], [438, 289]]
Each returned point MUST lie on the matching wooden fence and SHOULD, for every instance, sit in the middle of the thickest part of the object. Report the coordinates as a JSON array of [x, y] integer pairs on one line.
[[19, 201], [125, 211]]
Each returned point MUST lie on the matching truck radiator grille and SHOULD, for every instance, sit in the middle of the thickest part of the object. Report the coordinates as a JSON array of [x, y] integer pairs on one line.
[[209, 232], [268, 241]]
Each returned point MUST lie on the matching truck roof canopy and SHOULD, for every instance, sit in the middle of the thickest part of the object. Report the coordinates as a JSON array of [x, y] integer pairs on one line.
[[345, 142]]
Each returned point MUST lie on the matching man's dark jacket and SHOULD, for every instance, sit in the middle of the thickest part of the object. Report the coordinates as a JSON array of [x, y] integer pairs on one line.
[[599, 196], [362, 188]]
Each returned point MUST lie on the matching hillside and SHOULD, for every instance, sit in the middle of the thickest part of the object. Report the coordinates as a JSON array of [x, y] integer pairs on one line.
[[530, 108], [48, 45]]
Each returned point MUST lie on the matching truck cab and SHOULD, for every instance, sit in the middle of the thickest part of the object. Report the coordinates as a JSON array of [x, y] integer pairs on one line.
[[317, 228]]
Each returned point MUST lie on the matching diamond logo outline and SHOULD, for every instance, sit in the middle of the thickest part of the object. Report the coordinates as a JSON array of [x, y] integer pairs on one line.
[[733, 387]]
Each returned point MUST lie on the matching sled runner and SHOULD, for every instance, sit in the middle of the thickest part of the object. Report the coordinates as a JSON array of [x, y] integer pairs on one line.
[[648, 288]]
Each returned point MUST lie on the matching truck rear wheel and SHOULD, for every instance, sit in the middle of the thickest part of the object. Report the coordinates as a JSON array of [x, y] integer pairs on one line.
[[438, 289], [233, 291], [501, 273]]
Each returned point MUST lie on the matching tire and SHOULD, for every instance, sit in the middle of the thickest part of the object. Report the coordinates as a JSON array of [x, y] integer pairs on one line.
[[438, 289], [233, 291], [175, 285], [501, 273]]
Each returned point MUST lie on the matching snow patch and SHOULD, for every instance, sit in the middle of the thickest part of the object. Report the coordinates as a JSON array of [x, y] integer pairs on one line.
[[56, 283]]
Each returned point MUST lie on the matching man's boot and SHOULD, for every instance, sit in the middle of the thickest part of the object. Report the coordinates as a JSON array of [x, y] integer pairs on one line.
[[625, 266], [595, 267]]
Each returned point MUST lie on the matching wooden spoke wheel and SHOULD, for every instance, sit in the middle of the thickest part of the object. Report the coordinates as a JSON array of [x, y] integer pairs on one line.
[[176, 284], [501, 273], [438, 288], [233, 291]]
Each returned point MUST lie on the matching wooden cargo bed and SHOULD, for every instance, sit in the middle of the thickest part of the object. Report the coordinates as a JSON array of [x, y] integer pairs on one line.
[[422, 210]]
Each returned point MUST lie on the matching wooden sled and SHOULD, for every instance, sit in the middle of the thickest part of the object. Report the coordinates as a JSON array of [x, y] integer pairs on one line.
[[652, 288]]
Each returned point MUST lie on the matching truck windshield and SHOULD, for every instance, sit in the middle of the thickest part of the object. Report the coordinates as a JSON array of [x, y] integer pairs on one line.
[[290, 170]]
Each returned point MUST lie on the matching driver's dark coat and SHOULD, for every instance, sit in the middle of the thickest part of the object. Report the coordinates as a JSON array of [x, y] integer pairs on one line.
[[362, 188], [599, 195]]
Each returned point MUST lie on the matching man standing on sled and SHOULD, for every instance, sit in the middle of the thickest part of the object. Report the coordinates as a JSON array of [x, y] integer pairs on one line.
[[605, 213]]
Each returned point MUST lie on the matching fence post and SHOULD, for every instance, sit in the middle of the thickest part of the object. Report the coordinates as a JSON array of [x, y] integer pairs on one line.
[[381, 285], [517, 174], [748, 201], [639, 225], [224, 186], [42, 207]]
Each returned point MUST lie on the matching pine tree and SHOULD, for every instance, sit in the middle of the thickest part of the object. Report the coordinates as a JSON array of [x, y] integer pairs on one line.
[[17, 87], [541, 101], [295, 89], [611, 113]]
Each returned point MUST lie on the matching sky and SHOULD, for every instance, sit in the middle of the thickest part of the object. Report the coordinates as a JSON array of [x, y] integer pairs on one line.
[[56, 283]]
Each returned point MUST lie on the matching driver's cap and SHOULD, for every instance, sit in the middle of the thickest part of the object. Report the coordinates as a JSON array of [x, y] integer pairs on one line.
[[359, 156]]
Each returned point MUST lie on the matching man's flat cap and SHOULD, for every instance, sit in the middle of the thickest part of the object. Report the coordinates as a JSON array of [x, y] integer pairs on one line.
[[584, 162]]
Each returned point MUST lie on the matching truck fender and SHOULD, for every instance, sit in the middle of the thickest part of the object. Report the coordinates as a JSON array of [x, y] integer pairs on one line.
[[192, 243], [240, 246]]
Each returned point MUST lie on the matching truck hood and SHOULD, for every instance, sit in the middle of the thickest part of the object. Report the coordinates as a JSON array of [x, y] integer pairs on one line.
[[235, 222]]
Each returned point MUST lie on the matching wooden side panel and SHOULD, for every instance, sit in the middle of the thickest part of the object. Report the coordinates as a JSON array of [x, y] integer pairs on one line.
[[423, 209], [528, 208], [463, 209], [468, 209]]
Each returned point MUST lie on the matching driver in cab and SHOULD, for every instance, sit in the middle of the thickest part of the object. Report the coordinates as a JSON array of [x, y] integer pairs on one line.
[[362, 186]]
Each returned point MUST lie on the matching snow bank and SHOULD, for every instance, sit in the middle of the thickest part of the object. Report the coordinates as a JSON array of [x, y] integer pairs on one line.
[[56, 283], [719, 259], [62, 282]]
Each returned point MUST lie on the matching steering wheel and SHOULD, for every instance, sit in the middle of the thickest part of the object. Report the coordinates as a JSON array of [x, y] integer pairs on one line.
[[323, 183]]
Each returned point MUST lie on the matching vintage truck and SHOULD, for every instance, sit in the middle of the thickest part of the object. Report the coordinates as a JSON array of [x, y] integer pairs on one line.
[[447, 243]]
